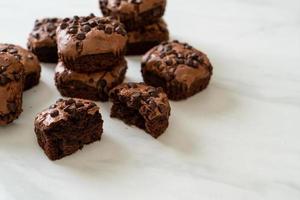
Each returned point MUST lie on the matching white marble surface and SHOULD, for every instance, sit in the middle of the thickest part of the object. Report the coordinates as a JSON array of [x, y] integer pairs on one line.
[[239, 139]]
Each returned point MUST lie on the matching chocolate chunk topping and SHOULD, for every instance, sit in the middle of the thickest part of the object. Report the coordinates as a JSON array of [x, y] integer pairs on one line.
[[54, 113], [80, 36]]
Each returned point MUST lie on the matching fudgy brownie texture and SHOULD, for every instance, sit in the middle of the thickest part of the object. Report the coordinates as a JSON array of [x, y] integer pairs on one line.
[[146, 37], [42, 39], [134, 14], [67, 126], [178, 68], [11, 87], [30, 62], [93, 86], [89, 44], [141, 105]]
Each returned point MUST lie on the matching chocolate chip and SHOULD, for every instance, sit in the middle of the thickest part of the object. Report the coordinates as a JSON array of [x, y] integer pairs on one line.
[[72, 30], [169, 62], [66, 19], [12, 51], [79, 105], [63, 25], [80, 36], [161, 108], [189, 62], [179, 61], [194, 55], [51, 27], [92, 105], [121, 31], [4, 79], [103, 83], [108, 30], [54, 113], [17, 76], [70, 109], [12, 106], [101, 27], [162, 55], [93, 24], [4, 49], [86, 28], [69, 101]]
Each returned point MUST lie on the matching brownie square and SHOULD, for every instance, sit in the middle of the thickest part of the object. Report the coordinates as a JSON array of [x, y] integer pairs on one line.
[[141, 105], [67, 126]]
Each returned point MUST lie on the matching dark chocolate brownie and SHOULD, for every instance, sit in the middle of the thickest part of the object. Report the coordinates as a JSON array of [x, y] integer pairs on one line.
[[146, 37], [11, 87], [67, 126], [42, 39], [93, 86], [134, 14], [141, 105], [89, 44], [30, 62], [178, 68]]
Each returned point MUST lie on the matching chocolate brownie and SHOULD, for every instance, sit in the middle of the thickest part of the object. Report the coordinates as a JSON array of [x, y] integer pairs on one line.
[[134, 14], [178, 68], [146, 37], [11, 88], [93, 86], [67, 126], [30, 62], [42, 39], [89, 44], [141, 105]]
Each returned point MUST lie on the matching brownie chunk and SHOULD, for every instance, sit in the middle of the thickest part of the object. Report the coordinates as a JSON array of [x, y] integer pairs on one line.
[[146, 37], [141, 105], [89, 44], [67, 126], [134, 14], [30, 62], [42, 39], [11, 88], [181, 70], [93, 86]]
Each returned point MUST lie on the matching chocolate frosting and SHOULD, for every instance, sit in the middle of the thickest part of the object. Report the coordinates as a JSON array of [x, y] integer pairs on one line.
[[153, 32], [92, 79], [44, 33], [153, 101], [177, 61], [11, 84], [89, 36], [28, 59], [62, 111], [130, 7]]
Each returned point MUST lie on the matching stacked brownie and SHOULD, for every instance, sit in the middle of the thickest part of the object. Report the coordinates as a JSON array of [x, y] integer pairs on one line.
[[91, 53], [142, 19]]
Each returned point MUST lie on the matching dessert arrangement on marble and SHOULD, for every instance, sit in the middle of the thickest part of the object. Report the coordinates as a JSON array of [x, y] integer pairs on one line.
[[91, 66]]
